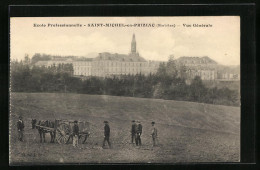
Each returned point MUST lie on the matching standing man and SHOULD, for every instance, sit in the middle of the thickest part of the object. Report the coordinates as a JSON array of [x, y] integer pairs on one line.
[[139, 133], [106, 134], [133, 131], [75, 134], [154, 133], [20, 127]]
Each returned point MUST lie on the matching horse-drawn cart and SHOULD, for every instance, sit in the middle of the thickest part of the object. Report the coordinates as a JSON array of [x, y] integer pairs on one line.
[[61, 130]]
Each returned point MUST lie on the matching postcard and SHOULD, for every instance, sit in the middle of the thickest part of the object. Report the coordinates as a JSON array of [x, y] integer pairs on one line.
[[124, 90]]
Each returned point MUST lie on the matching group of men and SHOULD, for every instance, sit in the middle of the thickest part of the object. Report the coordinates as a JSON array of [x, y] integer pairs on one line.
[[136, 132], [75, 134]]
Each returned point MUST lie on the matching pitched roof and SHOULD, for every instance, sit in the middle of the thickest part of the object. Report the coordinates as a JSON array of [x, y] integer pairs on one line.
[[132, 57], [83, 59], [196, 60]]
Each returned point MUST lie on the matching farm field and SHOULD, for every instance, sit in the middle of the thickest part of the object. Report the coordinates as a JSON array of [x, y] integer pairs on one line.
[[187, 131]]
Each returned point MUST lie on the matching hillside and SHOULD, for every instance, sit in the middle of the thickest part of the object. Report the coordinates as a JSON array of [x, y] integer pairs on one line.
[[188, 132]]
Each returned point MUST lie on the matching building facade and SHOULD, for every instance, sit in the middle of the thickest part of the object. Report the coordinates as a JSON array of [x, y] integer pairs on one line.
[[207, 69], [204, 67], [107, 64], [204, 74]]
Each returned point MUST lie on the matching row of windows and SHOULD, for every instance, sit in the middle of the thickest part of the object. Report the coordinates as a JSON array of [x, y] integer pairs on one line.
[[119, 64], [82, 63], [76, 68], [118, 69], [57, 63], [115, 70], [82, 68], [119, 72], [82, 73], [116, 64], [113, 73]]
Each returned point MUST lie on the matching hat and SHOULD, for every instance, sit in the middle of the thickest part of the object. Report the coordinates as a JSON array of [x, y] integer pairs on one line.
[[75, 121], [153, 122], [105, 121], [133, 120]]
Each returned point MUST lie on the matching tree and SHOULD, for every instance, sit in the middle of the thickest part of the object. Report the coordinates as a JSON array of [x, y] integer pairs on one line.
[[197, 89], [161, 72], [38, 57], [171, 68], [183, 72], [26, 59]]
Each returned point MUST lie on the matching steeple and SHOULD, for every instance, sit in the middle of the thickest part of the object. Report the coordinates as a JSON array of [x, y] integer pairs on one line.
[[133, 45]]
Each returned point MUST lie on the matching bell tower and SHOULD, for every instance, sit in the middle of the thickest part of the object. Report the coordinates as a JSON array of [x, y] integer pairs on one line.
[[133, 45]]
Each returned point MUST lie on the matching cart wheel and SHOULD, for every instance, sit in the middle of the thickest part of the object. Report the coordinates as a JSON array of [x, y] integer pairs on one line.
[[63, 133]]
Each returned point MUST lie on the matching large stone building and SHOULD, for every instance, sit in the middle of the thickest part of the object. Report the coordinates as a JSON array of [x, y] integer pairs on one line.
[[107, 64], [204, 67], [204, 62], [207, 69]]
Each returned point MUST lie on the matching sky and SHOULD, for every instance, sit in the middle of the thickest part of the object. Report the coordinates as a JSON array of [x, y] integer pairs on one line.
[[221, 42]]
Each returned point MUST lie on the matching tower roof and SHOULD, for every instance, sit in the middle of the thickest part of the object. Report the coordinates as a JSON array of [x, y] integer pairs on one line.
[[133, 45], [133, 39]]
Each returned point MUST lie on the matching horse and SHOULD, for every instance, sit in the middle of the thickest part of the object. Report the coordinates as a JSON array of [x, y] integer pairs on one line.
[[42, 131]]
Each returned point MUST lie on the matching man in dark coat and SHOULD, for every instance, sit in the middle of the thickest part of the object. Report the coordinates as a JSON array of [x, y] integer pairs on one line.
[[133, 131], [139, 133], [20, 127], [106, 134], [34, 123], [154, 134], [75, 134]]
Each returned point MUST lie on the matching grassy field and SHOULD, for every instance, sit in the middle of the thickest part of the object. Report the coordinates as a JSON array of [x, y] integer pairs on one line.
[[188, 132]]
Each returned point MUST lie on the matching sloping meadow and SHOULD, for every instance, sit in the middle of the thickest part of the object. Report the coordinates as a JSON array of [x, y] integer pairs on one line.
[[188, 132]]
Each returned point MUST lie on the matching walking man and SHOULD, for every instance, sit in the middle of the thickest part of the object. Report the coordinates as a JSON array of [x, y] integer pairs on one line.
[[75, 134], [133, 131], [20, 127], [138, 134], [154, 134], [106, 134]]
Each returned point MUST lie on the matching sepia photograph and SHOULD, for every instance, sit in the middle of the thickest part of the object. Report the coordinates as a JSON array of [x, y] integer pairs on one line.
[[98, 90]]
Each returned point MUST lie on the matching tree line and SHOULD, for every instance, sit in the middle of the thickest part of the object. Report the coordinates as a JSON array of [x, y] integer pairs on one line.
[[168, 83]]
